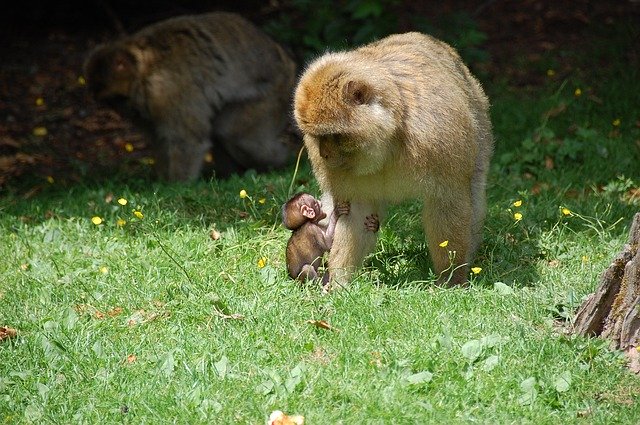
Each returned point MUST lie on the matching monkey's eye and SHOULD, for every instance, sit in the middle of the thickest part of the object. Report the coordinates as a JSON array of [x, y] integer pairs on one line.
[[335, 138]]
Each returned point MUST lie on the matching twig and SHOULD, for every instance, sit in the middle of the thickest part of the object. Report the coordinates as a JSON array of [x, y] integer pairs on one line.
[[173, 259], [295, 172]]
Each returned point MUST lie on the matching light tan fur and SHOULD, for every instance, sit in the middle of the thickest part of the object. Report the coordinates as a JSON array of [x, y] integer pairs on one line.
[[194, 81], [400, 118]]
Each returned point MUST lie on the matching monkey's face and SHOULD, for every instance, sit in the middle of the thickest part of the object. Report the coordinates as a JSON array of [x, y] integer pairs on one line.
[[110, 73], [348, 119], [335, 150], [358, 155]]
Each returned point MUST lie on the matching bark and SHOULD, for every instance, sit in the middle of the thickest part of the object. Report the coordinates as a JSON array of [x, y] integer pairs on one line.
[[613, 311]]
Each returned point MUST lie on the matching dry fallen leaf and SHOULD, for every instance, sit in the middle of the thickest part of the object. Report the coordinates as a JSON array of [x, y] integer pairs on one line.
[[278, 418], [131, 358], [234, 316], [214, 234], [114, 311], [584, 413], [7, 332], [322, 325]]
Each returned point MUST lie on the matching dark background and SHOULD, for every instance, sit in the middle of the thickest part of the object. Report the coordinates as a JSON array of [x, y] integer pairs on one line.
[[44, 44]]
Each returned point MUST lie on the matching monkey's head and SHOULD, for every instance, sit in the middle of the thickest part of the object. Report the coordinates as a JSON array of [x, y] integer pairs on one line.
[[300, 209], [348, 113], [110, 71]]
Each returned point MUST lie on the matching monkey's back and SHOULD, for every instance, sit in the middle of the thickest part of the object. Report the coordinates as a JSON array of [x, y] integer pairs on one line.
[[305, 246], [223, 48]]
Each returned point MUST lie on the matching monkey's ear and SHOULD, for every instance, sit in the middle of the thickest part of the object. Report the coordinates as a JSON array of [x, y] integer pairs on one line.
[[308, 212], [357, 92]]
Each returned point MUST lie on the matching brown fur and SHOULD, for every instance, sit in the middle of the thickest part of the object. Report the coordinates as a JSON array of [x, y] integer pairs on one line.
[[401, 118], [310, 239], [191, 81]]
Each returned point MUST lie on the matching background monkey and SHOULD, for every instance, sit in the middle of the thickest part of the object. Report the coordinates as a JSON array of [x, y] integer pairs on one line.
[[311, 239], [194, 81], [397, 119]]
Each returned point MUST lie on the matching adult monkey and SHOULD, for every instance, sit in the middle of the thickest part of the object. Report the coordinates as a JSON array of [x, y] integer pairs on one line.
[[198, 82], [400, 118]]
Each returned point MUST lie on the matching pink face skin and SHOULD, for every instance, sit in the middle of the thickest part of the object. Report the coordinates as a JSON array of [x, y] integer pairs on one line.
[[313, 210]]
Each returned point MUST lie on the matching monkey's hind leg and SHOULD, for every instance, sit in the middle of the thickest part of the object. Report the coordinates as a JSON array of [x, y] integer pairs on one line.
[[252, 133], [308, 273], [447, 225], [181, 150]]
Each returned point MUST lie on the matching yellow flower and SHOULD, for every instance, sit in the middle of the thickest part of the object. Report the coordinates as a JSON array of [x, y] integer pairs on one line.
[[122, 201], [476, 270], [243, 194], [550, 72], [40, 131], [138, 214], [616, 122], [443, 244], [50, 179], [81, 80], [262, 200], [104, 270], [566, 211], [120, 222], [577, 93], [39, 101], [517, 216], [517, 203], [585, 259], [262, 262], [128, 147], [96, 220]]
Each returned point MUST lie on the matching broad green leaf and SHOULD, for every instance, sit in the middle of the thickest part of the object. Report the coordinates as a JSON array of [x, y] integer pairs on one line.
[[490, 341], [472, 350], [98, 350], [490, 363], [168, 364], [222, 366], [502, 288], [70, 318], [563, 382], [294, 379], [42, 390], [419, 378], [265, 387], [529, 391]]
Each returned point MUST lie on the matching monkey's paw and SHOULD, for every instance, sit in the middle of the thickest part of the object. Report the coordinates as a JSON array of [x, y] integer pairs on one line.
[[372, 223], [343, 208]]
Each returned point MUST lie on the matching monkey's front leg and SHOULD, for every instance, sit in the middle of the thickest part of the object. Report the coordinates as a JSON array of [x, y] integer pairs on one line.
[[351, 244], [182, 159]]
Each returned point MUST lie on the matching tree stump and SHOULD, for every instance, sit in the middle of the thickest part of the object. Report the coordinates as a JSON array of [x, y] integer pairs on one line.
[[613, 311]]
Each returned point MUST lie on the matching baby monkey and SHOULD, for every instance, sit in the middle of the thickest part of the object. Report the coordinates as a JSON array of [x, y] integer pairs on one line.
[[311, 239]]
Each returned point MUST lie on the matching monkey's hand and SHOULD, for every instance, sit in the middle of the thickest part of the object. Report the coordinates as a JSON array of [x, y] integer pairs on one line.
[[342, 208], [372, 223]]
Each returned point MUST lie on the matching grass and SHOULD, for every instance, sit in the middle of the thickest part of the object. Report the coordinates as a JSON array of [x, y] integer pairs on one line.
[[156, 322]]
